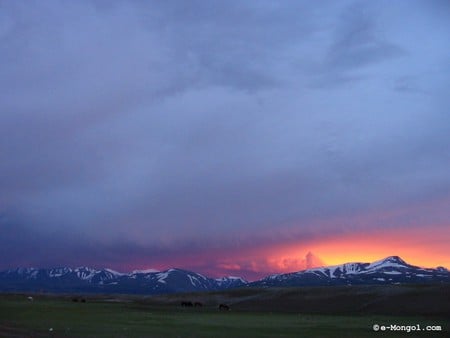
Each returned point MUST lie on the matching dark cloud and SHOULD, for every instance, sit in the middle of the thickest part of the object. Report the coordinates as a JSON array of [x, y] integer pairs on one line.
[[358, 42], [147, 129]]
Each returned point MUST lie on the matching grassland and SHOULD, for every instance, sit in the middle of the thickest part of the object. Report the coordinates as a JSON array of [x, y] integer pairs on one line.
[[254, 313]]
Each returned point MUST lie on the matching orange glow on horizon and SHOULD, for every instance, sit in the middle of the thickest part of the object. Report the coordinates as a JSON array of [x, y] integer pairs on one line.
[[420, 247], [425, 247], [366, 238]]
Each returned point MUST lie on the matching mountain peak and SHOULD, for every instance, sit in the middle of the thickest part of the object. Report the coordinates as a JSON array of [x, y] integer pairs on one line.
[[394, 259], [388, 261]]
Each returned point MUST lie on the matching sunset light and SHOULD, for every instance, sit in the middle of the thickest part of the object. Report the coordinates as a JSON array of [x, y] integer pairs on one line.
[[242, 139], [227, 168]]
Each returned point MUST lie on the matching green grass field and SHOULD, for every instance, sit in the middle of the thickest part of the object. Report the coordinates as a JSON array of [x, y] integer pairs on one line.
[[137, 317]]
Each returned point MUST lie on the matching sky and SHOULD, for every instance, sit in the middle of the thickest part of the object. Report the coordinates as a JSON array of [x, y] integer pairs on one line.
[[224, 137]]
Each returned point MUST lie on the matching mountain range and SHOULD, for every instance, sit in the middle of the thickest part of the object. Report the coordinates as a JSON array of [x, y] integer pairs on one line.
[[391, 270]]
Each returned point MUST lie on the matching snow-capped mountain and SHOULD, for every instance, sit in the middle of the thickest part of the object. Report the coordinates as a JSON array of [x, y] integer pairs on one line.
[[230, 282], [391, 270], [85, 279]]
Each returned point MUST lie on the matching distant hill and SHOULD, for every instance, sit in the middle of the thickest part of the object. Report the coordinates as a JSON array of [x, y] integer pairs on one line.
[[391, 270]]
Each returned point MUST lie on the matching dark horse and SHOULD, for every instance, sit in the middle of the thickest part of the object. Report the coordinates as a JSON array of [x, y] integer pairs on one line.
[[223, 307], [187, 304]]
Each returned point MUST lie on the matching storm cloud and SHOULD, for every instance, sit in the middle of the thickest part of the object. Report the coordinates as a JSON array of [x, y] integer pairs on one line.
[[133, 133]]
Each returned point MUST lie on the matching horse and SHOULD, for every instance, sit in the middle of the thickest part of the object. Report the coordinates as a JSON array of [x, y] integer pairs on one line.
[[187, 304], [198, 304], [224, 307]]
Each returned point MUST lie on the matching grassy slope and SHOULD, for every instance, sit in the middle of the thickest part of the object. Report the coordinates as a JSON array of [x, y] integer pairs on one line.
[[250, 317]]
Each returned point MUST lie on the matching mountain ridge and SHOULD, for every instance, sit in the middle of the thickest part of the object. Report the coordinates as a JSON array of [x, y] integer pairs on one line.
[[390, 270]]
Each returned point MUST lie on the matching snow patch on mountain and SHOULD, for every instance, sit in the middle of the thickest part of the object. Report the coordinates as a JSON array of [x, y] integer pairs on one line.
[[393, 272], [144, 271], [193, 280], [115, 273], [162, 277], [58, 272]]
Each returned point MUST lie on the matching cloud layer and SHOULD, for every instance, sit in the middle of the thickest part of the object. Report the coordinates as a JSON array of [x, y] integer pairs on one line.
[[150, 131]]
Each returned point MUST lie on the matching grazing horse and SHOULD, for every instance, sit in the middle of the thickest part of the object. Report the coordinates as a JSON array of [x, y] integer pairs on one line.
[[187, 304], [198, 304], [224, 307]]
